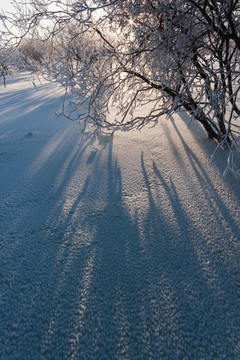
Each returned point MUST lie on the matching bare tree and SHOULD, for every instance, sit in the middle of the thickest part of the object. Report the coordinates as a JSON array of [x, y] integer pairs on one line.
[[113, 54], [6, 64], [3, 72]]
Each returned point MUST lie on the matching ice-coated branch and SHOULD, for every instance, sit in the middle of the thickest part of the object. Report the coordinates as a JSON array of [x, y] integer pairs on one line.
[[117, 56]]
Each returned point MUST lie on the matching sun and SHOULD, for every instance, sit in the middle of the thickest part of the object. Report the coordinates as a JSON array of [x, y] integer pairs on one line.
[[131, 22]]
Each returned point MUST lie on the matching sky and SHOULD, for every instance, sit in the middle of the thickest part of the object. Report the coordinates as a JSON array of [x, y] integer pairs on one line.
[[6, 5]]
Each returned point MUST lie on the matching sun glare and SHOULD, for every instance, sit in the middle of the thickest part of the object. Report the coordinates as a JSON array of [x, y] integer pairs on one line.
[[131, 22]]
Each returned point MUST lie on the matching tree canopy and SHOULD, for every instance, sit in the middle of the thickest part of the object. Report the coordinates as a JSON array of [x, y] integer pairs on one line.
[[115, 56]]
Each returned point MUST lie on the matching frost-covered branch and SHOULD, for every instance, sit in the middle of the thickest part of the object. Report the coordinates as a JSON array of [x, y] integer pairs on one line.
[[117, 56]]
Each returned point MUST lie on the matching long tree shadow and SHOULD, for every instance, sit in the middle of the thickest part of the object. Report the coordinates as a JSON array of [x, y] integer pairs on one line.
[[208, 146], [102, 259], [67, 287], [139, 293], [196, 280], [213, 198]]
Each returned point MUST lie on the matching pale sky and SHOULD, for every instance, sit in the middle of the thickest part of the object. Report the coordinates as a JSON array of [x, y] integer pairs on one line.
[[6, 5]]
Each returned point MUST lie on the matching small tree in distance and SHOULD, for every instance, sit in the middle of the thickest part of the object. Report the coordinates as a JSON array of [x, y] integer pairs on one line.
[[170, 55]]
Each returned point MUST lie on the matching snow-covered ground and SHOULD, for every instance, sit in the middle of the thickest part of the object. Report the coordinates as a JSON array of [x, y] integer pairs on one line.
[[123, 247]]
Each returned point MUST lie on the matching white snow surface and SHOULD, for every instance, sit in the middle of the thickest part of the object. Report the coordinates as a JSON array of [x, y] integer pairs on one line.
[[114, 247]]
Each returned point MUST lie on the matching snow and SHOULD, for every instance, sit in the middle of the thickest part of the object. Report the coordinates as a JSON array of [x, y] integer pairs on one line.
[[114, 247]]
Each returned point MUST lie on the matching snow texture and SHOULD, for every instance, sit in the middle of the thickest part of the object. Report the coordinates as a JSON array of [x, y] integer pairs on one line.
[[114, 247]]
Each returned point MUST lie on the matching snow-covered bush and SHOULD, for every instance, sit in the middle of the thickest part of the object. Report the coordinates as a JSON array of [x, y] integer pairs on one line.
[[31, 53]]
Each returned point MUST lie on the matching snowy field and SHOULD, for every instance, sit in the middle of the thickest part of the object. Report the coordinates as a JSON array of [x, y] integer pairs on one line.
[[123, 247]]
